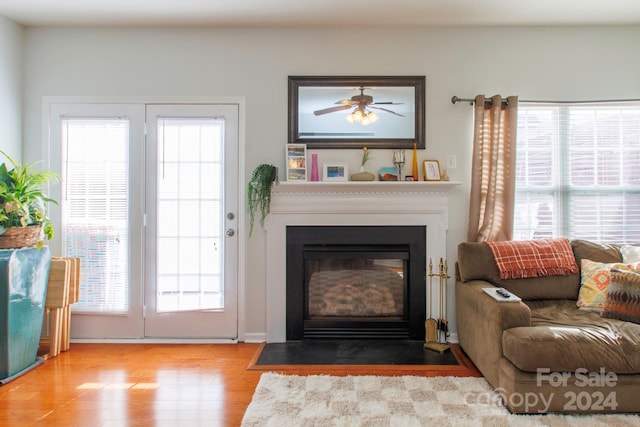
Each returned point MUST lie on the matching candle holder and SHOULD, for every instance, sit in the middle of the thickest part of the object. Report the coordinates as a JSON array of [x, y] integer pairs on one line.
[[398, 161]]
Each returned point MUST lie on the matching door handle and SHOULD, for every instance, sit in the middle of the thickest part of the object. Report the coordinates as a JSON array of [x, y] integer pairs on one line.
[[230, 232]]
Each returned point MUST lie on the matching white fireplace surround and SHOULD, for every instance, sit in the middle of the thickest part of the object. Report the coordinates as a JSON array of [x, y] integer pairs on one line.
[[349, 204]]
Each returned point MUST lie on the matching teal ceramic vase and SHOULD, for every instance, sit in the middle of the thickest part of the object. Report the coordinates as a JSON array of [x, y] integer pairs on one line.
[[24, 274]]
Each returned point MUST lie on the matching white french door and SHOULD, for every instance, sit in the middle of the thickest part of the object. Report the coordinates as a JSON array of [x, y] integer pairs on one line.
[[191, 205], [152, 217], [99, 151]]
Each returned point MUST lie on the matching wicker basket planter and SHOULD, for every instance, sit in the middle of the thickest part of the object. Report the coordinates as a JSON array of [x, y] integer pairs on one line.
[[20, 237], [23, 201]]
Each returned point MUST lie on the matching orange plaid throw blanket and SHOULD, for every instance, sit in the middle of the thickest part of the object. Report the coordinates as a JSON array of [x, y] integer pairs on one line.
[[534, 258]]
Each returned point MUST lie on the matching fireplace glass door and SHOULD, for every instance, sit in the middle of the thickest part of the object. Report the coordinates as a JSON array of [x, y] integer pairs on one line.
[[355, 285]]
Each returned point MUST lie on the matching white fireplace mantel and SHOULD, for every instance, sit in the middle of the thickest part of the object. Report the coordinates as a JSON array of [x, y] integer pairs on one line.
[[350, 204]]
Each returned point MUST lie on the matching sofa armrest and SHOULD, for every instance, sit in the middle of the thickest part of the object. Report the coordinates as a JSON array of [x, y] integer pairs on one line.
[[480, 323]]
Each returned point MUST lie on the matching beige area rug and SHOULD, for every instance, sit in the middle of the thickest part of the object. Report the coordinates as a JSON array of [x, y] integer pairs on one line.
[[403, 401]]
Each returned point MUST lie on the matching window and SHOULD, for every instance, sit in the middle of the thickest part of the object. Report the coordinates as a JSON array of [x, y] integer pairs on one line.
[[578, 172], [190, 214], [95, 209]]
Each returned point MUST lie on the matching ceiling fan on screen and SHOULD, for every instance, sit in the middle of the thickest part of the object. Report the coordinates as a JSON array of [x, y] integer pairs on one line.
[[359, 106]]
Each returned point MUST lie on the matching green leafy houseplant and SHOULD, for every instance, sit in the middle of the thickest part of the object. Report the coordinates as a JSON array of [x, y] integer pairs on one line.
[[259, 192], [22, 200]]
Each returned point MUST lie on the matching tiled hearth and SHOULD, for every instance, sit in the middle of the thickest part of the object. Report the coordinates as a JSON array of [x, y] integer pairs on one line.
[[347, 204]]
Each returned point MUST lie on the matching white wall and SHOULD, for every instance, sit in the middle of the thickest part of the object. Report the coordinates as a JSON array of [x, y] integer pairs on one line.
[[567, 63], [11, 54]]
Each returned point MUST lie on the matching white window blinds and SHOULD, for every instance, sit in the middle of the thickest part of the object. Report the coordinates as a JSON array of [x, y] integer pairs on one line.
[[578, 172], [95, 209]]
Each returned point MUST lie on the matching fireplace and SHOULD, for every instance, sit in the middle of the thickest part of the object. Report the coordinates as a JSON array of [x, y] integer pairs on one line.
[[355, 282], [346, 204]]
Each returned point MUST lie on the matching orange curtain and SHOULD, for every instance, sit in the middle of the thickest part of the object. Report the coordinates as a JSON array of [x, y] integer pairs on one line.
[[493, 170]]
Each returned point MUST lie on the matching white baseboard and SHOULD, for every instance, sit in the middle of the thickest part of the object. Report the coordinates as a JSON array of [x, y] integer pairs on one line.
[[255, 337], [155, 341], [453, 338]]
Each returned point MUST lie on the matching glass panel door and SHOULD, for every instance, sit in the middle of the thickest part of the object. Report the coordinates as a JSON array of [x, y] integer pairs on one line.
[[98, 149], [191, 208]]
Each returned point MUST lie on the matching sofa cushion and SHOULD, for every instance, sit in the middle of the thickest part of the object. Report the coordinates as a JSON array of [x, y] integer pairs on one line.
[[594, 282], [564, 338], [623, 296], [476, 262], [630, 253], [595, 251]]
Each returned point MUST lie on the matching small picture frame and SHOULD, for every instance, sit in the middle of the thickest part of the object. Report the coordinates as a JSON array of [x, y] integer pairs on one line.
[[335, 172], [431, 170], [296, 162]]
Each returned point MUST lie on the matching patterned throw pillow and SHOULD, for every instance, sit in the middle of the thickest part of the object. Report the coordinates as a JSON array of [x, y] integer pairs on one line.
[[594, 280], [630, 253], [623, 296]]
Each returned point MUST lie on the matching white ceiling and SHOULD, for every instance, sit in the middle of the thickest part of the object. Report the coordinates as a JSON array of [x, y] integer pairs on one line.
[[321, 12]]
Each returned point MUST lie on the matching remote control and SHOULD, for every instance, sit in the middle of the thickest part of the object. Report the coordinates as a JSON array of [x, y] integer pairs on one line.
[[503, 293]]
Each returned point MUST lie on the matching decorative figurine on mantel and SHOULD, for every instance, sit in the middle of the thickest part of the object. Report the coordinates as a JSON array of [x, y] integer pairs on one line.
[[398, 161], [363, 175]]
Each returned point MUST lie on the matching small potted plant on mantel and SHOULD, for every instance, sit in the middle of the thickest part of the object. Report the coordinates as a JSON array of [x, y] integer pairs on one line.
[[363, 175]]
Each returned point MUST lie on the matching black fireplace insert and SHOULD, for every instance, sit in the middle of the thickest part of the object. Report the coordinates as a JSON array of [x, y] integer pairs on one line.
[[356, 282]]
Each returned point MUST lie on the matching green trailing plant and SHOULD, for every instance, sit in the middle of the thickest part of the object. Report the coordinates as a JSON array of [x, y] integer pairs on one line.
[[259, 192], [22, 200]]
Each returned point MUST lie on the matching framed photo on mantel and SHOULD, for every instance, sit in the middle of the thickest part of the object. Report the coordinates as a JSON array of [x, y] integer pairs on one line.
[[335, 172], [431, 170], [296, 162]]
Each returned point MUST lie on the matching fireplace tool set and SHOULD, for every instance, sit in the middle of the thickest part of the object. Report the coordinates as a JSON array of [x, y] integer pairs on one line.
[[436, 330]]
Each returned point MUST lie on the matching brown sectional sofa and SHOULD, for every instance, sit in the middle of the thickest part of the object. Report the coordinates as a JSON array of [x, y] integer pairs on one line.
[[543, 354]]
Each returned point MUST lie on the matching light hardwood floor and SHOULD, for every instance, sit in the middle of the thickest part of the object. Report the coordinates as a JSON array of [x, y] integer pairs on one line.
[[153, 385]]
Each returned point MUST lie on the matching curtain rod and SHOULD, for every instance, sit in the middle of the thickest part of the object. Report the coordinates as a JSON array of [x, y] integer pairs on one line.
[[455, 100]]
